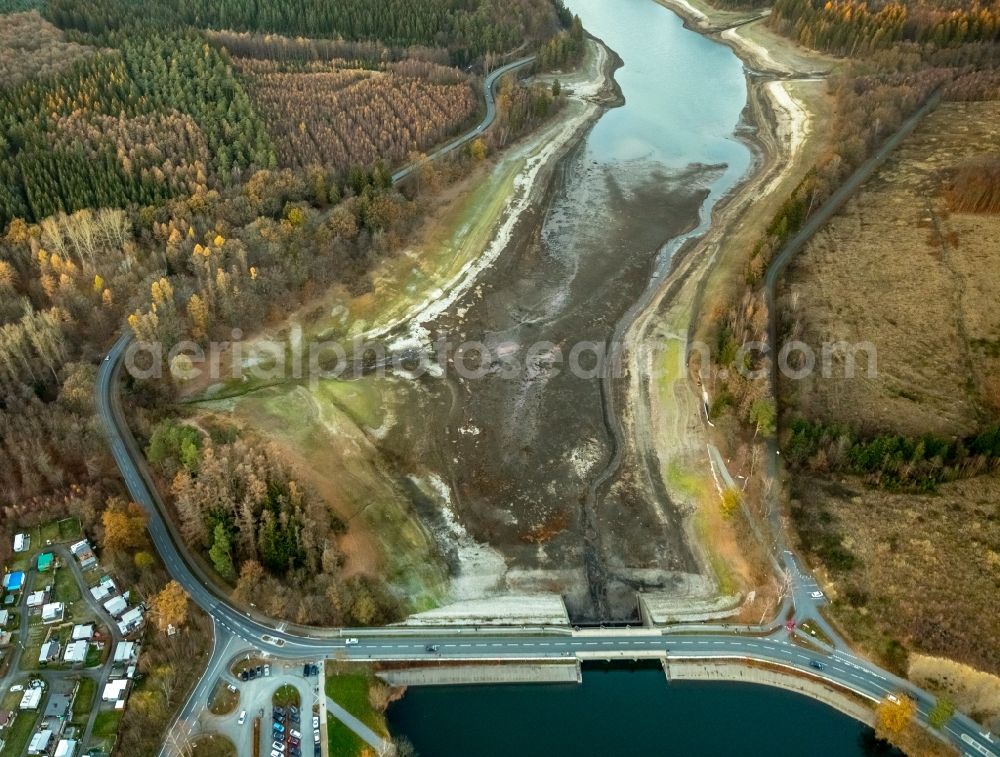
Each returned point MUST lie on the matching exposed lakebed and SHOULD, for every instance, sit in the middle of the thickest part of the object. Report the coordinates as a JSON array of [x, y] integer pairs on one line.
[[523, 444]]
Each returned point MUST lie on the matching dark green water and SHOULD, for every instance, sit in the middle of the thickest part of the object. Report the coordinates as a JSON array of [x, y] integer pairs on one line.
[[621, 711]]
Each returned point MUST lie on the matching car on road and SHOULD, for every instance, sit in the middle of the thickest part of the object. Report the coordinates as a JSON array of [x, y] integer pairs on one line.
[[433, 647], [243, 717], [351, 641], [816, 664], [816, 594]]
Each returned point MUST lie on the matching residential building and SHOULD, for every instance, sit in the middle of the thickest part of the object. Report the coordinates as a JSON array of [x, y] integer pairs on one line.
[[83, 631], [53, 612], [116, 606], [22, 542], [126, 652], [116, 691], [49, 652], [130, 620], [40, 742], [84, 554], [38, 598], [76, 652], [45, 562], [65, 748], [4, 617], [31, 698]]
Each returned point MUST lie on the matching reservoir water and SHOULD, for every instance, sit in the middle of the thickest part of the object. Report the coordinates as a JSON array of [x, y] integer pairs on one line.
[[622, 711]]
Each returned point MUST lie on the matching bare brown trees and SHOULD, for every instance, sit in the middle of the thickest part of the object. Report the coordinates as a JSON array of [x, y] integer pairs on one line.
[[338, 118]]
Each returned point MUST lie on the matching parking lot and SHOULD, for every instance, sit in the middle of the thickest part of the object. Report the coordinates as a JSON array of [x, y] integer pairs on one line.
[[284, 731]]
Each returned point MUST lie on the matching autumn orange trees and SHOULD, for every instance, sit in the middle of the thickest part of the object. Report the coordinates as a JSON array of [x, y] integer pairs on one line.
[[170, 606], [124, 526], [851, 27]]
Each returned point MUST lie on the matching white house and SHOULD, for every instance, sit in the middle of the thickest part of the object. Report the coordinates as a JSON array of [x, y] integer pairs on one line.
[[100, 591], [37, 598], [40, 742], [130, 621], [115, 690], [49, 652], [116, 606], [22, 542], [84, 554], [31, 698], [65, 748], [53, 612], [4, 617], [83, 631], [126, 652], [76, 652]]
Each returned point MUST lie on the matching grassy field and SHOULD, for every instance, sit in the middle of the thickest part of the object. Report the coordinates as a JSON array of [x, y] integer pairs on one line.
[[348, 686], [326, 434], [84, 701], [107, 722]]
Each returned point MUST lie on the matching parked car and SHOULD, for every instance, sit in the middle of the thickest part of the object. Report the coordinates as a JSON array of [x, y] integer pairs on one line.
[[275, 753], [259, 670], [267, 671], [279, 745], [305, 669], [294, 742], [295, 734], [315, 722], [242, 718], [279, 727], [244, 675]]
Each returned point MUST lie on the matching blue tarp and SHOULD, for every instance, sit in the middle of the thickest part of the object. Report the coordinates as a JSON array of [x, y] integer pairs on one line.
[[13, 581]]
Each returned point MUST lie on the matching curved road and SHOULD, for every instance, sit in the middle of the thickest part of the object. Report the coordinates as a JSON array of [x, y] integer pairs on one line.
[[763, 644]]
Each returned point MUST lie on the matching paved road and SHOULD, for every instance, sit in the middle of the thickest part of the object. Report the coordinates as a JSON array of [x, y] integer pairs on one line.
[[491, 113]]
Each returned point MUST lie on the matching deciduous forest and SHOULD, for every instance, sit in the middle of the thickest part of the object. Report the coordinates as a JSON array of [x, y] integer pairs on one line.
[[180, 169]]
